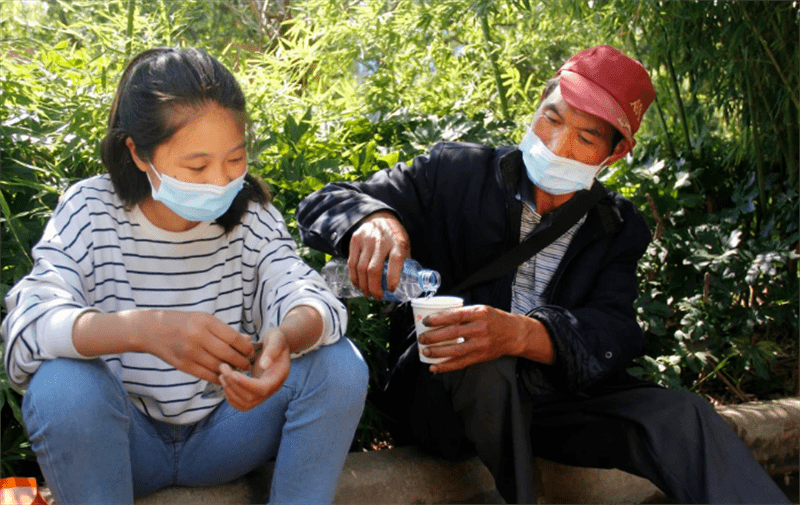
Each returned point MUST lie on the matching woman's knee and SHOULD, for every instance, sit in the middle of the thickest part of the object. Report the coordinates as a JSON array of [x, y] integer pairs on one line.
[[77, 389], [341, 369]]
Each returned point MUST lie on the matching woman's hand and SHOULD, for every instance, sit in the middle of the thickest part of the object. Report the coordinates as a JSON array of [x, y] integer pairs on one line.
[[193, 342], [270, 371], [300, 329]]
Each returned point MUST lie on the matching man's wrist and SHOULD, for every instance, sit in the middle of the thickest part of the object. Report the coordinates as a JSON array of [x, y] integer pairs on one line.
[[536, 344]]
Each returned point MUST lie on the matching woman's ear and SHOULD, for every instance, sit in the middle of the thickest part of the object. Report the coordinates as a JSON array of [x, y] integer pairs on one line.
[[141, 165]]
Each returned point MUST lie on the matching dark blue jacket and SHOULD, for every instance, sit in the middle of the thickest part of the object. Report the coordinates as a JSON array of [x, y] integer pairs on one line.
[[459, 207]]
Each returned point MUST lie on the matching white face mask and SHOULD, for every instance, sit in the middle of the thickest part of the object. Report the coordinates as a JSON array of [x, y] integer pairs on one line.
[[196, 202], [551, 173]]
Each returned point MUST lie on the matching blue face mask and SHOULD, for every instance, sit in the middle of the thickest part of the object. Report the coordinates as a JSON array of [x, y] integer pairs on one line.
[[196, 202], [551, 173]]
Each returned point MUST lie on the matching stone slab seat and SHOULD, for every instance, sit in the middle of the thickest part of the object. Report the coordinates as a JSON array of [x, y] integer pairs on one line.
[[405, 475]]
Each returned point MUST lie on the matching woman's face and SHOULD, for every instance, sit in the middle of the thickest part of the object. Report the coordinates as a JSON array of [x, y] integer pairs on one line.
[[209, 149]]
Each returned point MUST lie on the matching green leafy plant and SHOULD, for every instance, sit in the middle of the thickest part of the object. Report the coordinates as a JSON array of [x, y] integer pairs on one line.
[[716, 291], [16, 457]]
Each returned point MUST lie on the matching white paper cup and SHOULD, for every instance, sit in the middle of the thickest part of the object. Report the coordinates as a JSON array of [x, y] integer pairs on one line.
[[421, 307]]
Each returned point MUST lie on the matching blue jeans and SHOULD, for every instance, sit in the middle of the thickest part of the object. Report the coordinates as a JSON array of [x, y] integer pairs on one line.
[[94, 446]]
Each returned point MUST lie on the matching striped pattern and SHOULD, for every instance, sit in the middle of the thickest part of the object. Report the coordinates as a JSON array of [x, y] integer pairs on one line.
[[534, 275], [96, 254]]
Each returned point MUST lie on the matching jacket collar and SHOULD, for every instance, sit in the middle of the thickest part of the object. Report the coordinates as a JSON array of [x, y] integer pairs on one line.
[[511, 167]]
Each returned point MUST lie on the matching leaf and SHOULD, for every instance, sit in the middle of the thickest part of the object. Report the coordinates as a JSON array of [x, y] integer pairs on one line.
[[13, 402], [658, 308], [10, 221], [390, 158]]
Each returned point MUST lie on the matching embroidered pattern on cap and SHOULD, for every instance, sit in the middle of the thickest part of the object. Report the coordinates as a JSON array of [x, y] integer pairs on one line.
[[637, 109], [623, 122]]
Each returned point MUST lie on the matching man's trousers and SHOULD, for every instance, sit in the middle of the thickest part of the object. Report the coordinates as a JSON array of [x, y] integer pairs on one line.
[[673, 438]]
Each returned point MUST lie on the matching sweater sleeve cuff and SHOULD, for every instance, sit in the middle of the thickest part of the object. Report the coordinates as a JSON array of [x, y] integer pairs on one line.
[[58, 330]]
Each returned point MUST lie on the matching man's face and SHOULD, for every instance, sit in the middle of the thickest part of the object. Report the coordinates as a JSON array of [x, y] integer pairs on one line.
[[572, 133]]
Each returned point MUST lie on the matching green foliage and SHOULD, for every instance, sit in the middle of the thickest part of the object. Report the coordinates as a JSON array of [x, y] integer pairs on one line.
[[718, 295], [719, 164], [368, 327], [338, 90], [737, 82], [16, 457]]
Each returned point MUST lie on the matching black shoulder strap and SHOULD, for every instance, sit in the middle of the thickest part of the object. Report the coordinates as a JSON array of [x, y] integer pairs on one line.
[[563, 219]]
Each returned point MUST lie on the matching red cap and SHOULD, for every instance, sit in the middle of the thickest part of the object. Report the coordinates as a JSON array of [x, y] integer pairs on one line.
[[604, 82]]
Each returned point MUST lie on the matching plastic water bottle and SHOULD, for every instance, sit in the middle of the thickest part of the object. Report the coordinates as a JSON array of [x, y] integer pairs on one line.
[[415, 281]]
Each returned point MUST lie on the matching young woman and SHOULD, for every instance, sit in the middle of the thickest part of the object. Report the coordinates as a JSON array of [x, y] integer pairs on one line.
[[151, 286]]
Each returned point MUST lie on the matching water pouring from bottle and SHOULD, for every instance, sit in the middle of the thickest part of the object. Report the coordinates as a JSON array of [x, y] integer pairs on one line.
[[415, 281]]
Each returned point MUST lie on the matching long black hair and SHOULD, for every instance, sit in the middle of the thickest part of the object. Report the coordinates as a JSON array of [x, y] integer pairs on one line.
[[156, 85]]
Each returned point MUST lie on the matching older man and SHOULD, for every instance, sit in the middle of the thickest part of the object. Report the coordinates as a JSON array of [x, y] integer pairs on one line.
[[541, 370]]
